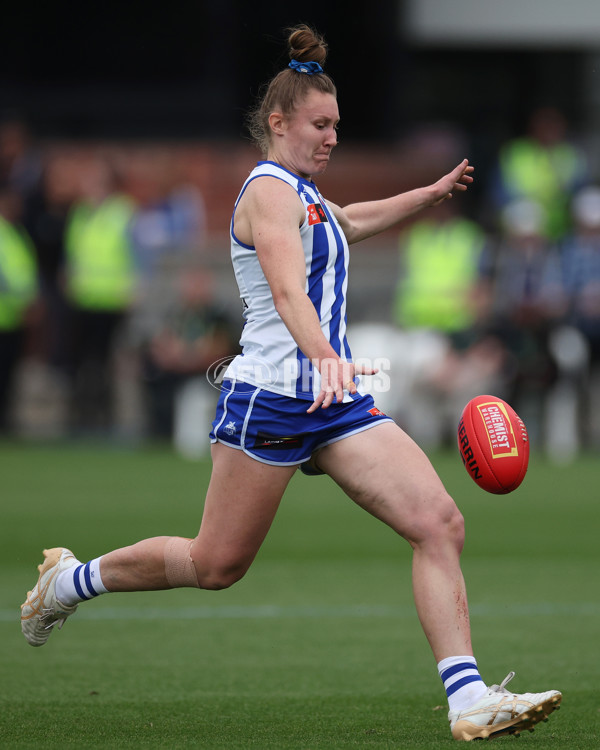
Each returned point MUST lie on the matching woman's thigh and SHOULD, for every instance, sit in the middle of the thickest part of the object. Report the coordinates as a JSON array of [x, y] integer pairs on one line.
[[241, 503], [385, 472]]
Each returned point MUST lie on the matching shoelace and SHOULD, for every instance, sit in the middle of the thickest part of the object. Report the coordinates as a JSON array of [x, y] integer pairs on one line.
[[501, 688], [45, 617]]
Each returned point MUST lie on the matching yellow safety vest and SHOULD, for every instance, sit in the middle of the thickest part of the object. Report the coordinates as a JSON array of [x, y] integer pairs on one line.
[[441, 264], [18, 275], [545, 175], [100, 268]]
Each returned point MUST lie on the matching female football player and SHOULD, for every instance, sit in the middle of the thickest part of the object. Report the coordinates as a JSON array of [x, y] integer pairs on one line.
[[293, 399]]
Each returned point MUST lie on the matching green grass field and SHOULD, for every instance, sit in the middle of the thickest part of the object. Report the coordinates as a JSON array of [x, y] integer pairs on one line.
[[319, 647]]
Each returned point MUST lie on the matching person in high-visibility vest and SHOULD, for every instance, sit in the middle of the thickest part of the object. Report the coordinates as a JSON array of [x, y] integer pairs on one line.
[[18, 289], [442, 307], [440, 259], [100, 283], [542, 166]]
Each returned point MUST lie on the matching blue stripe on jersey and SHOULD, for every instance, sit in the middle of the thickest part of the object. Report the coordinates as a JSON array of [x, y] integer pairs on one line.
[[340, 274], [318, 266], [347, 346]]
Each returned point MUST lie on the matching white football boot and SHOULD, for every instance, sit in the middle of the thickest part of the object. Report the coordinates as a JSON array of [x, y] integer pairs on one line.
[[41, 611], [502, 712]]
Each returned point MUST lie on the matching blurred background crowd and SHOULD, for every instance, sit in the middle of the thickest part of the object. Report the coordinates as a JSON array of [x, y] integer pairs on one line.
[[116, 294]]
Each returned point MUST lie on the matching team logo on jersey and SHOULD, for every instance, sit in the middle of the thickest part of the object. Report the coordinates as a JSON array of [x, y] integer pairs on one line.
[[230, 428], [316, 214]]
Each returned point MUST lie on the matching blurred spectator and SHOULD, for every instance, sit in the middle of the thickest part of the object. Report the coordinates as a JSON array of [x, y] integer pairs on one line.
[[100, 286], [543, 166], [167, 231], [194, 334], [581, 268], [581, 263], [20, 160], [169, 221], [441, 305], [528, 304], [45, 219], [18, 290]]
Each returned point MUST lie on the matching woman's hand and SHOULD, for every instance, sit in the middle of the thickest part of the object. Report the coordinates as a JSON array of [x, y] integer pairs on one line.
[[336, 377], [459, 179]]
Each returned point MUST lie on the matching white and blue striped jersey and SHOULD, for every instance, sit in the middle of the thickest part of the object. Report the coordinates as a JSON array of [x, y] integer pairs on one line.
[[270, 357]]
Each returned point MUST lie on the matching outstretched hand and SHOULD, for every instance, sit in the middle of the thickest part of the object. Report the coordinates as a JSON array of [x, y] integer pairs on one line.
[[459, 179]]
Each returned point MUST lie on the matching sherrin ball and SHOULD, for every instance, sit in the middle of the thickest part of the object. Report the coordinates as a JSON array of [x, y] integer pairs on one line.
[[493, 444]]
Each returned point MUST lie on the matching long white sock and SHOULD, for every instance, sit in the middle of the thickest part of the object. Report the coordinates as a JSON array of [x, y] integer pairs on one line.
[[80, 583], [462, 681]]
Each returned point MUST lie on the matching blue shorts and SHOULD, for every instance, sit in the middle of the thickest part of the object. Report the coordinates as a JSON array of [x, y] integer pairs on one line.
[[277, 430]]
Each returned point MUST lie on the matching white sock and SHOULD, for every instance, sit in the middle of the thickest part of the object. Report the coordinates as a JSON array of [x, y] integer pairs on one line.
[[80, 583], [462, 681]]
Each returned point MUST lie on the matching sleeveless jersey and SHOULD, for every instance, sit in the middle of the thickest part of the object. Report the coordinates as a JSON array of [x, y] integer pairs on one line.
[[270, 357]]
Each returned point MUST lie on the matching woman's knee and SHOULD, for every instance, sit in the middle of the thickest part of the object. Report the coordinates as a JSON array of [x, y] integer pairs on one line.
[[218, 574], [440, 523], [456, 525]]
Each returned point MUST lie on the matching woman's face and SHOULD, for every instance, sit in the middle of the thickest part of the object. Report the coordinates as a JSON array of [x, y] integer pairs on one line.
[[302, 141]]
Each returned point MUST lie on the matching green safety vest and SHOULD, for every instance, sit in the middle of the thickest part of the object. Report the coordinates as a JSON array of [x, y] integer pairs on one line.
[[100, 268], [18, 275], [441, 264], [545, 175]]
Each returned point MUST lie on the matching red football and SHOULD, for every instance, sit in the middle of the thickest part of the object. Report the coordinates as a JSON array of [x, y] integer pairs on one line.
[[493, 444]]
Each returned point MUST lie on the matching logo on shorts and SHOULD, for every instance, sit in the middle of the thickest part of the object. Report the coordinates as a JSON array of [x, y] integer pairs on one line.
[[230, 428], [316, 214], [278, 442], [376, 412]]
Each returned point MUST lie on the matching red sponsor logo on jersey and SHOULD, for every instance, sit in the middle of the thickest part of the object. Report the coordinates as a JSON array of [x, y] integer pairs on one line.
[[376, 412], [316, 214]]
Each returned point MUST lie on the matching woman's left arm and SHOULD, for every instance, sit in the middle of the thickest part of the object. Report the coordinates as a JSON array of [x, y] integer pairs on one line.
[[362, 220]]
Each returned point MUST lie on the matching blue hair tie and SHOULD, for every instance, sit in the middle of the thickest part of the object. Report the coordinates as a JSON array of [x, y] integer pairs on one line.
[[310, 68]]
